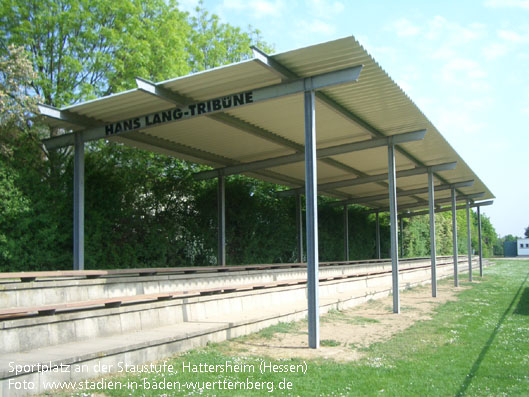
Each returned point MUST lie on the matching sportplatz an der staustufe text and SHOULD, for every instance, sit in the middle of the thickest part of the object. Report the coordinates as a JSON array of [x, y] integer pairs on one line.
[[168, 370]]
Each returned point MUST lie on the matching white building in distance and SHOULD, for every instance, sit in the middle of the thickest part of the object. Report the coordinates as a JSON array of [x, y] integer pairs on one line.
[[523, 246]]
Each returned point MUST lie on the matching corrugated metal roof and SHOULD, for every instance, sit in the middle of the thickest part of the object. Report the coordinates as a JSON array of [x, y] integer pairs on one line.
[[275, 127]]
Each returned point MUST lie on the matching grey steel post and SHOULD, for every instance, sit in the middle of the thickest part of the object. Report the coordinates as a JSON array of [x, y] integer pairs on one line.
[[469, 243], [480, 243], [401, 239], [311, 183], [393, 227], [433, 250], [345, 233], [454, 236], [378, 235], [78, 203], [221, 227], [299, 227]]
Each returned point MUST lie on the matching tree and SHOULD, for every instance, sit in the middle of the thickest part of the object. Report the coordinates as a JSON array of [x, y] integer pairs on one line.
[[214, 43], [81, 49], [527, 232], [86, 48], [17, 106]]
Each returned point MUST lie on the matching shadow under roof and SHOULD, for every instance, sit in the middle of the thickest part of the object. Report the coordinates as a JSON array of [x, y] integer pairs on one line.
[[374, 106]]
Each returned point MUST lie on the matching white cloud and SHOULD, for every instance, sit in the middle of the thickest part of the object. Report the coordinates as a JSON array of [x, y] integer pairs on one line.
[[316, 26], [405, 28], [460, 121], [495, 50], [439, 28], [444, 53], [510, 36], [435, 27], [460, 70], [257, 8], [507, 41], [325, 8], [507, 4]]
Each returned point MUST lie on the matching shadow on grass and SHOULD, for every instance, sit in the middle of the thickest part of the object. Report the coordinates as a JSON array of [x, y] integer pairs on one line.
[[525, 305]]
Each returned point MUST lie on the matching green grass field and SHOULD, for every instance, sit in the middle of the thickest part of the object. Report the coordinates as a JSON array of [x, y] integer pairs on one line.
[[475, 346]]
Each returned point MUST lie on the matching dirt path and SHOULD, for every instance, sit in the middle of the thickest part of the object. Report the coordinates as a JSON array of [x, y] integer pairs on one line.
[[344, 333]]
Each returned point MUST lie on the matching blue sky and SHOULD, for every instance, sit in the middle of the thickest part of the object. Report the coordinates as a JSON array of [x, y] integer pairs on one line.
[[464, 63]]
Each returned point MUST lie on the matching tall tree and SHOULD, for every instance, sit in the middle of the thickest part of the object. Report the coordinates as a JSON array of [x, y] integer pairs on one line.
[[87, 48], [81, 49], [213, 43], [17, 105]]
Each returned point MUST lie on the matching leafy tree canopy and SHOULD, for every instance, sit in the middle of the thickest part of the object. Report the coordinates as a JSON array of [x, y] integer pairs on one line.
[[16, 103], [83, 49]]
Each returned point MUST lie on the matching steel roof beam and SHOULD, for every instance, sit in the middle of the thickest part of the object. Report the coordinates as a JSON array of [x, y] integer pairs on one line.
[[320, 154], [371, 179], [159, 143], [275, 66], [234, 122], [272, 65], [367, 199], [67, 116], [221, 117], [446, 209], [440, 201], [209, 106], [161, 92]]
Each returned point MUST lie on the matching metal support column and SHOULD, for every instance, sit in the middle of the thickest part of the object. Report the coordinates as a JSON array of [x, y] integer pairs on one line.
[[454, 236], [221, 207], [379, 256], [401, 240], [393, 227], [480, 243], [469, 243], [299, 227], [78, 203], [345, 233], [433, 251], [312, 220]]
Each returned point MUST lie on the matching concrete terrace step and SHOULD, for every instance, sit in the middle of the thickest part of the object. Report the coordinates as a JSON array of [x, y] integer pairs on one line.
[[119, 300], [146, 332], [80, 351], [92, 322], [148, 271], [82, 359], [46, 292]]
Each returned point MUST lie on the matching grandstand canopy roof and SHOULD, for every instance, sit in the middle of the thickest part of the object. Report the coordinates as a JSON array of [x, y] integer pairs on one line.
[[214, 118]]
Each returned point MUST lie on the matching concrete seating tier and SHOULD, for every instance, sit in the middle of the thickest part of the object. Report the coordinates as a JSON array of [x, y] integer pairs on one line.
[[147, 327], [45, 291], [91, 274]]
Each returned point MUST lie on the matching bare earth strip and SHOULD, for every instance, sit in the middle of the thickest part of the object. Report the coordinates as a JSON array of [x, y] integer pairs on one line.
[[347, 331]]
